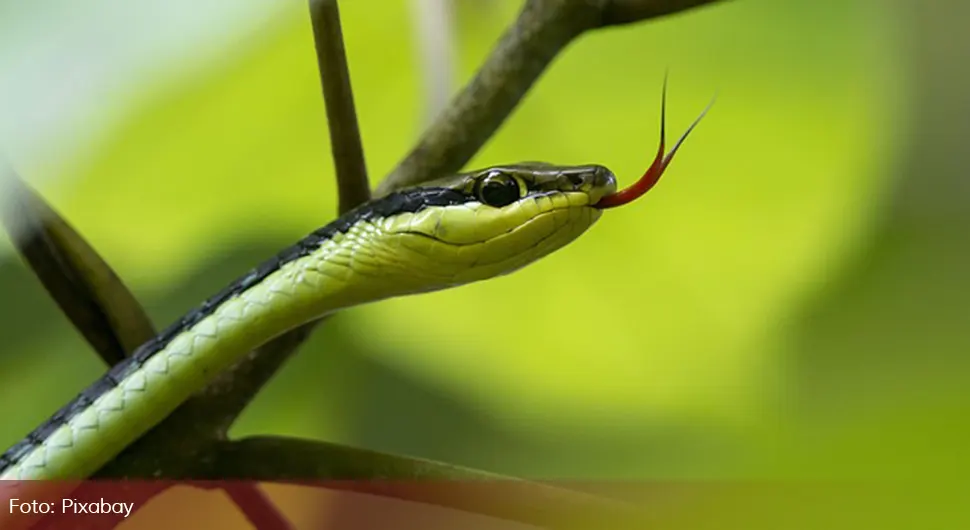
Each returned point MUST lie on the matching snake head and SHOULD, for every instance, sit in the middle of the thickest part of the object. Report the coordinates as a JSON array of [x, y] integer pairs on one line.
[[488, 222]]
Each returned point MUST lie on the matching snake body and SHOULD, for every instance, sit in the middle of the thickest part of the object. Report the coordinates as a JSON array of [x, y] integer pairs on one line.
[[445, 233]]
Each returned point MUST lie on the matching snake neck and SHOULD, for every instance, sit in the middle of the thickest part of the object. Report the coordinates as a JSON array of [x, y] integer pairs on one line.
[[304, 282]]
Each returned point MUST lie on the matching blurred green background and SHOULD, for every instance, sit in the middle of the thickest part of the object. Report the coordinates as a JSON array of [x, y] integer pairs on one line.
[[789, 302]]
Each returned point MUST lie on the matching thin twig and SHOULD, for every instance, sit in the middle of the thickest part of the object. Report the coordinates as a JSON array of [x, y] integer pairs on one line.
[[345, 142]]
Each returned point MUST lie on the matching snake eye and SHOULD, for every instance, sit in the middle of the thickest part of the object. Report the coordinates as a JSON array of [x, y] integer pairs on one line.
[[498, 189]]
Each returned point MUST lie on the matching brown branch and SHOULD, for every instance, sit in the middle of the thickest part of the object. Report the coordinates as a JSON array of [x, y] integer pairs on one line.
[[543, 29], [345, 468]]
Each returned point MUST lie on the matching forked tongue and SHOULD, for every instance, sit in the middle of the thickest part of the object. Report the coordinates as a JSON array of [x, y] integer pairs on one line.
[[660, 162]]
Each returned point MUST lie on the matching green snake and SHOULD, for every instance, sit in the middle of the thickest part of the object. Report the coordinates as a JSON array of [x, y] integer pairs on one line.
[[440, 234]]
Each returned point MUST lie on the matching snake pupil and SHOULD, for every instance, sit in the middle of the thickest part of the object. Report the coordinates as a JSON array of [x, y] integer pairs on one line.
[[498, 190]]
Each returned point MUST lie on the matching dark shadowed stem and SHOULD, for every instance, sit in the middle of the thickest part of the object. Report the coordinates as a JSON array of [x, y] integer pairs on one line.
[[345, 142], [80, 282], [351, 469], [541, 31]]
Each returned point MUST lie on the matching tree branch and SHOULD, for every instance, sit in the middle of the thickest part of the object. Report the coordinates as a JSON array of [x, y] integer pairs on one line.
[[340, 467], [541, 31], [82, 284]]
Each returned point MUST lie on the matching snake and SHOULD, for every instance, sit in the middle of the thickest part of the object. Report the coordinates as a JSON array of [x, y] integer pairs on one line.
[[439, 234]]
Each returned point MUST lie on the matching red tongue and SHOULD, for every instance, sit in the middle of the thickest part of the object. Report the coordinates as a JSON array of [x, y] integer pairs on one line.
[[656, 169]]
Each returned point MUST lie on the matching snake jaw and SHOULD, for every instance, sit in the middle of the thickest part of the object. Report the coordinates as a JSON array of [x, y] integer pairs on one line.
[[660, 162], [600, 182]]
